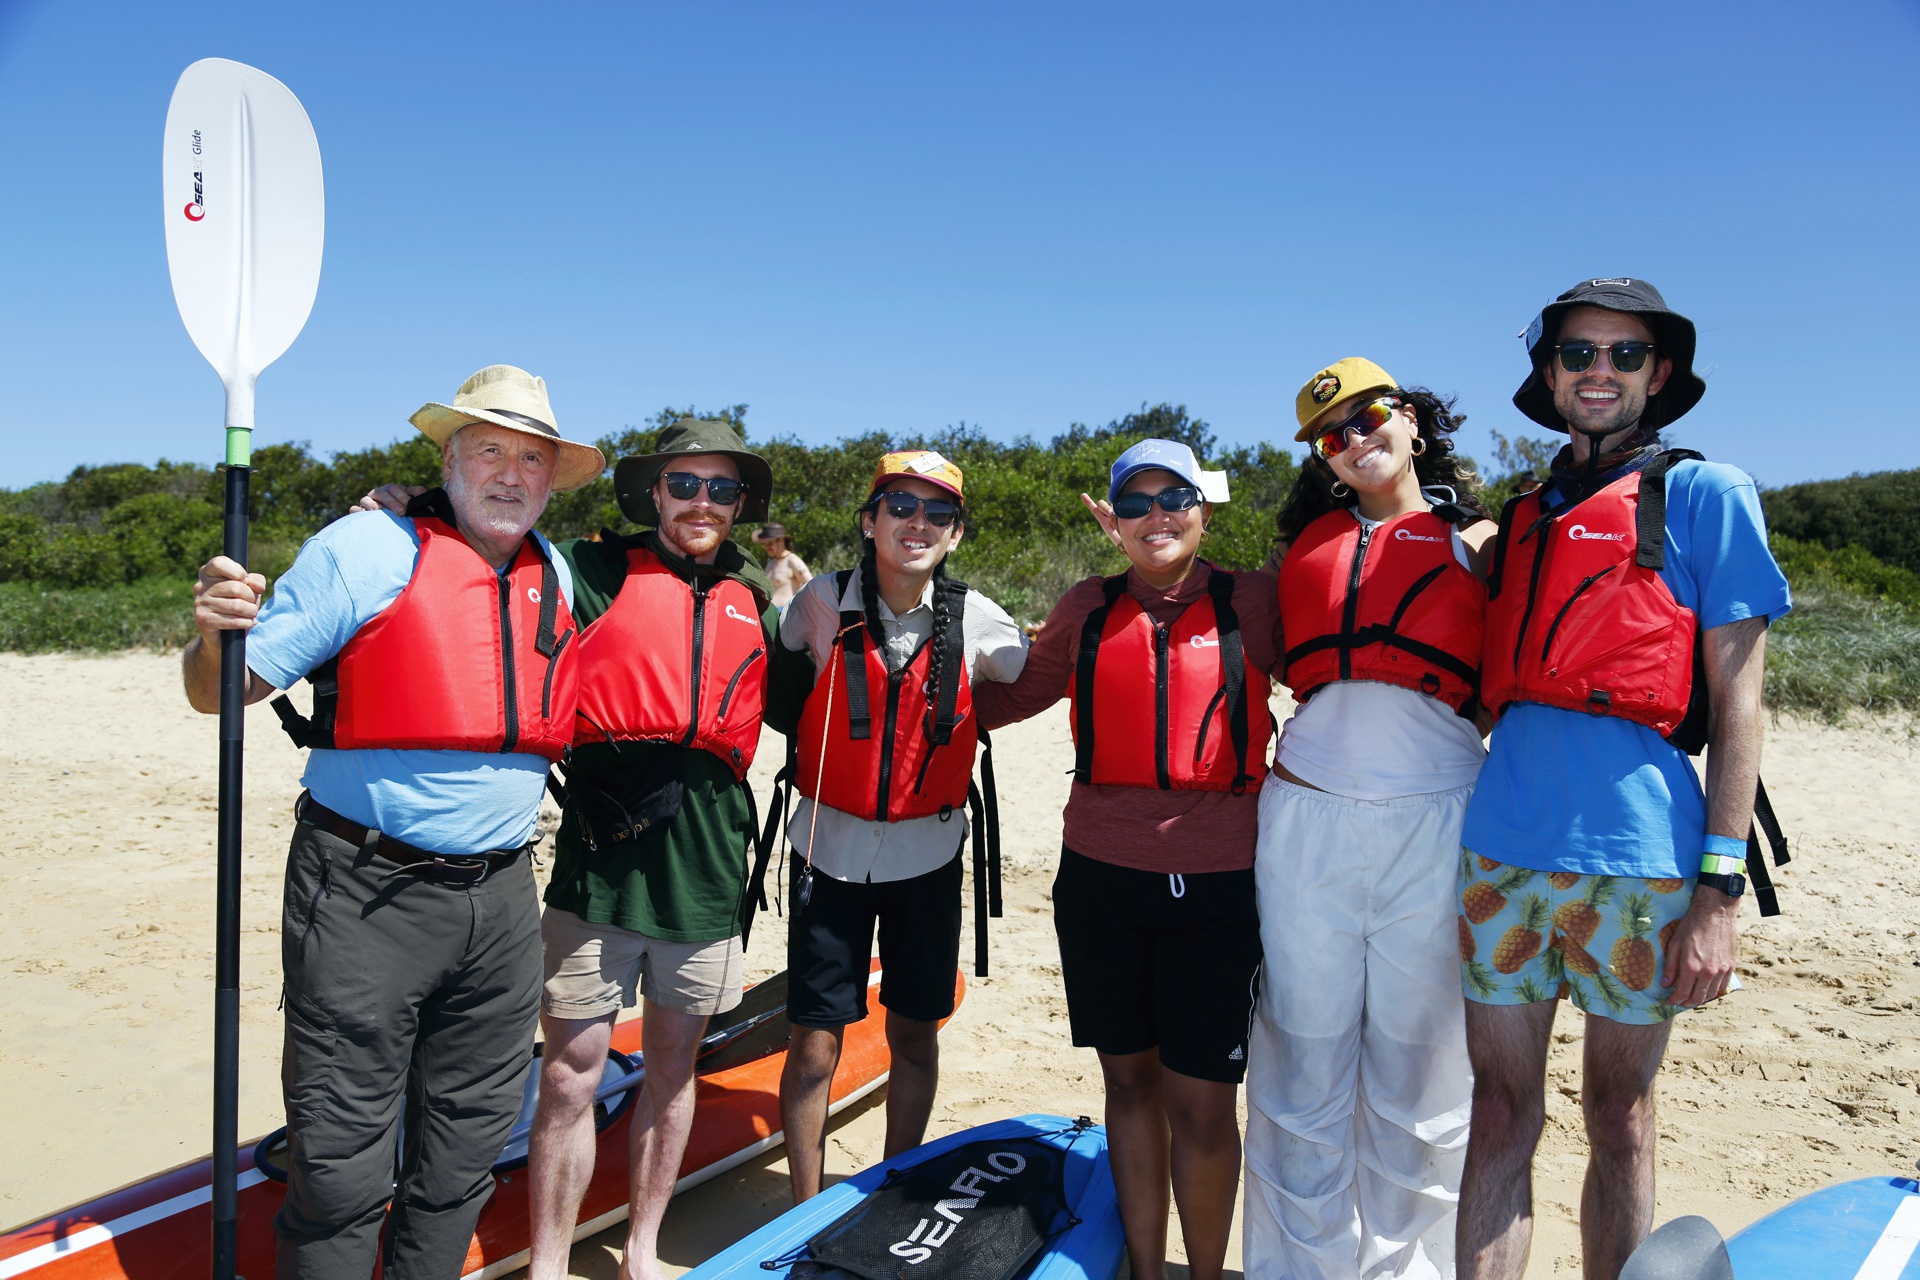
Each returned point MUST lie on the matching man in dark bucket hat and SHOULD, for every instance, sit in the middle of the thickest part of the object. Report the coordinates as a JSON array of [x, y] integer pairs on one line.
[[1626, 627], [651, 867]]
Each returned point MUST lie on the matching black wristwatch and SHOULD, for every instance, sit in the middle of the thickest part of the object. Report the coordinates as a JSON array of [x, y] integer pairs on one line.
[[1733, 886]]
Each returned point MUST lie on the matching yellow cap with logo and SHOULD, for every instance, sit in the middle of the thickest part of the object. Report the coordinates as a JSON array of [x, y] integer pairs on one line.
[[921, 464], [1338, 381]]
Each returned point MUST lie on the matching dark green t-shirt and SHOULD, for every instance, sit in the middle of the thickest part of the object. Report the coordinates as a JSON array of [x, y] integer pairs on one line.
[[686, 881]]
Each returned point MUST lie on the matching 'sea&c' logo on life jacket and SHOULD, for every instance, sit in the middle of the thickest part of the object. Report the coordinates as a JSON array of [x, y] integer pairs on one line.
[[1579, 534], [1402, 535], [735, 613], [197, 207], [1326, 389], [533, 594], [1201, 642], [931, 1233]]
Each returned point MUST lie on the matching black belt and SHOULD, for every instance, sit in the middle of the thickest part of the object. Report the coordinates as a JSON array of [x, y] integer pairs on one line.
[[453, 868]]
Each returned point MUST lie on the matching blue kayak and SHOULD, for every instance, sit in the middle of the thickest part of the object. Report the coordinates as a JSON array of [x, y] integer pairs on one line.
[[1089, 1249], [1864, 1230]]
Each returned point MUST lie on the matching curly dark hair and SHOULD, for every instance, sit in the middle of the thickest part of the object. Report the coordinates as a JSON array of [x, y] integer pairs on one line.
[[1312, 495], [870, 594]]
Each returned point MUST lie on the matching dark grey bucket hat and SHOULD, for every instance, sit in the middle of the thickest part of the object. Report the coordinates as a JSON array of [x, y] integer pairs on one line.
[[1673, 339]]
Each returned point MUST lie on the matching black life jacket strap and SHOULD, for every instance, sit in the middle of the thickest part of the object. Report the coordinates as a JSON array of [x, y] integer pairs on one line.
[[950, 643], [1758, 876], [557, 785], [1089, 657], [544, 640], [853, 659], [991, 796], [1650, 520], [315, 730], [1509, 516], [755, 889], [1233, 661]]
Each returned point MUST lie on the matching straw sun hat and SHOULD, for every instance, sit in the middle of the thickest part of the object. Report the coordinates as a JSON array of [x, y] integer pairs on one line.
[[512, 398]]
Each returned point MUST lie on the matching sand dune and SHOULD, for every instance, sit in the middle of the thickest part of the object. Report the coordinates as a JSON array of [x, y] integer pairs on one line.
[[1808, 1076]]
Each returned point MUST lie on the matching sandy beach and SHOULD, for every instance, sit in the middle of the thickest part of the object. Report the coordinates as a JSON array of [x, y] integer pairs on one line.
[[1808, 1076]]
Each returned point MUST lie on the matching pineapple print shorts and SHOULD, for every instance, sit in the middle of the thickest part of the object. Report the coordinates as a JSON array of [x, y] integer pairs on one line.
[[1600, 941]]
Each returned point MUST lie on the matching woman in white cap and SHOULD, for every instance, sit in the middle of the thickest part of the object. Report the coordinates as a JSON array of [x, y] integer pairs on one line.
[[1359, 1088], [1167, 665]]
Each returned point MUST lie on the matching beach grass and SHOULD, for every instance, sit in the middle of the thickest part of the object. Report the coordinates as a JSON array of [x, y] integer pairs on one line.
[[151, 613]]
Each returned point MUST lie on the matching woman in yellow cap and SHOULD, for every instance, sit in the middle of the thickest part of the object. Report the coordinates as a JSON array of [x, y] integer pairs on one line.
[[1358, 1086], [877, 665]]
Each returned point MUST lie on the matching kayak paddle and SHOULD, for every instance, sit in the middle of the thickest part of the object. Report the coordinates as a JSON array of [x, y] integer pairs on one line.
[[245, 218]]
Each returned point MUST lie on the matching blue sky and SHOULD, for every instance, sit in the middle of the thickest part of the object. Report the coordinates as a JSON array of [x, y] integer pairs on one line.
[[856, 217]]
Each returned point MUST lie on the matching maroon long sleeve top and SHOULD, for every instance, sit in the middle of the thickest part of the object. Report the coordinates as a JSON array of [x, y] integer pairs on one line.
[[1171, 832]]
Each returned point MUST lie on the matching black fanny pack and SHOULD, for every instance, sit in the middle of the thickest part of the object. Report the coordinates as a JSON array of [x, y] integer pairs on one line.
[[620, 800]]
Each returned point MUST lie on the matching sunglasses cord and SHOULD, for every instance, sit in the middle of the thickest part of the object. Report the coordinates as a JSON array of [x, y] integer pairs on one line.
[[837, 656]]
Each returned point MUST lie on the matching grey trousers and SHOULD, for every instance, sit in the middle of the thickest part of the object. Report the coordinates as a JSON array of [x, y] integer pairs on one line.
[[398, 988]]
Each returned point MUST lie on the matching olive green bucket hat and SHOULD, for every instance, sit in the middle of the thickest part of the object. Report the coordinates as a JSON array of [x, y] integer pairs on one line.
[[633, 478]]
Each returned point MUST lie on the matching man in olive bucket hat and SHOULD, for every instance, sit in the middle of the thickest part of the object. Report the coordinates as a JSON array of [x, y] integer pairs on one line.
[[649, 895], [1626, 625], [410, 939]]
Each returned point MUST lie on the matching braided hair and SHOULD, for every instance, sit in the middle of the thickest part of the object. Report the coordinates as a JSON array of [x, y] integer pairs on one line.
[[942, 599], [1312, 495]]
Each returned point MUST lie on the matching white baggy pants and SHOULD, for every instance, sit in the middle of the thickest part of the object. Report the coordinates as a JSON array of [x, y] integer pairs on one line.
[[1358, 1086]]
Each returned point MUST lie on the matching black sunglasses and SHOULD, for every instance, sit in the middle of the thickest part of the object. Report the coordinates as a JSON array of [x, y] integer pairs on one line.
[[901, 506], [684, 485], [1178, 497], [1625, 357]]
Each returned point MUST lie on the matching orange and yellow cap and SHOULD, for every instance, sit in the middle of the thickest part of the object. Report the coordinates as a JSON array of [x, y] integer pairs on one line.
[[921, 464]]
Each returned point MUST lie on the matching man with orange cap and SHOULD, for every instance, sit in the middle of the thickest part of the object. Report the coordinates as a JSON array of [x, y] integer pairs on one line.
[[872, 686]]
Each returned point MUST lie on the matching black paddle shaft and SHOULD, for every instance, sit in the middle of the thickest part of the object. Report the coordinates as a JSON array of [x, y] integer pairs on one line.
[[226, 965]]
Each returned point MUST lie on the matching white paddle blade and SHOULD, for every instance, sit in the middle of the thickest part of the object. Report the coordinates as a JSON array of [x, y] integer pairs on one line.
[[245, 218]]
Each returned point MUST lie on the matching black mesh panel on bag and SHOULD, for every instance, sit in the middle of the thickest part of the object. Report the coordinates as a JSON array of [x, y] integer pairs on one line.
[[979, 1212]]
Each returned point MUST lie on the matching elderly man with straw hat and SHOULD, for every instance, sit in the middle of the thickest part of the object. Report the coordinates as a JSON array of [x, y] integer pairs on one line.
[[439, 646]]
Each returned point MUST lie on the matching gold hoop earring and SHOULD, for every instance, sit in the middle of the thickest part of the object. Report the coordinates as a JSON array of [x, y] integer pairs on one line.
[[1419, 445], [1340, 489]]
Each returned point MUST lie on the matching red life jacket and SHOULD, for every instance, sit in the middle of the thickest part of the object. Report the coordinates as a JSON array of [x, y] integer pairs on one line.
[[1579, 617], [1390, 603], [919, 759], [465, 659], [667, 663], [1186, 688]]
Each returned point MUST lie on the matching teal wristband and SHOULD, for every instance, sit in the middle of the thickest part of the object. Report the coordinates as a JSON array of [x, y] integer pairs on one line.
[[1725, 846]]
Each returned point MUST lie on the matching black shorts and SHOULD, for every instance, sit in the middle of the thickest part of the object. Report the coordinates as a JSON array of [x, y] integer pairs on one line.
[[1154, 960], [830, 947]]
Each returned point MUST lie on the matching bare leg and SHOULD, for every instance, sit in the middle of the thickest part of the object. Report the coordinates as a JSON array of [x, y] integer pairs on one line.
[[805, 1085], [1616, 1206], [662, 1119], [1508, 1047], [1205, 1128], [1137, 1146], [561, 1147], [915, 1049]]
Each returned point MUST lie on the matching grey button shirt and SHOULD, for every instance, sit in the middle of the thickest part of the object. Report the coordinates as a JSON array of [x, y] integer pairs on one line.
[[850, 848]]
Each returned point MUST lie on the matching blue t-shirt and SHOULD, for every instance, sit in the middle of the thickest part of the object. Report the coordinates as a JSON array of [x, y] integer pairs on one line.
[[455, 802], [1567, 791]]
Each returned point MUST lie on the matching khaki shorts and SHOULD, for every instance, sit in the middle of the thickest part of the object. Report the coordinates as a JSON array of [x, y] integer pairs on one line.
[[593, 970]]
